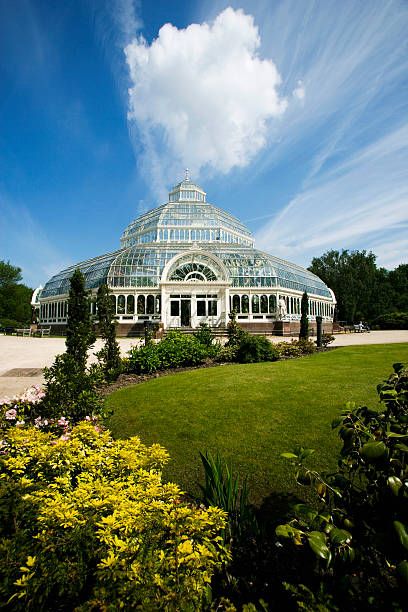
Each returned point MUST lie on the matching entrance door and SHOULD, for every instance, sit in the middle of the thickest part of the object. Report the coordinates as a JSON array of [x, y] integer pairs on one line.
[[185, 313]]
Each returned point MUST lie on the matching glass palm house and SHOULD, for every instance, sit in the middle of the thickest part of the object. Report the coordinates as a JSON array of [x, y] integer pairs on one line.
[[188, 262]]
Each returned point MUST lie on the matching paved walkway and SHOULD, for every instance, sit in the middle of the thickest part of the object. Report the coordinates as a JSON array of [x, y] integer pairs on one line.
[[27, 356]]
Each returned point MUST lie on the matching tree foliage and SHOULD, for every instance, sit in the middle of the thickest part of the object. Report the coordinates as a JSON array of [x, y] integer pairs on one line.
[[80, 333], [15, 298], [362, 290], [109, 355], [71, 387], [304, 321]]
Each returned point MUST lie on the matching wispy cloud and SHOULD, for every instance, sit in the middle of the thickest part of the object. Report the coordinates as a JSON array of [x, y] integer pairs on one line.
[[348, 205]]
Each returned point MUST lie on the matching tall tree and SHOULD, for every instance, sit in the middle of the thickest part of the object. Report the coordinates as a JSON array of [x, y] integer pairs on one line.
[[360, 288], [304, 321], [80, 334], [15, 298], [70, 388], [110, 353], [399, 283]]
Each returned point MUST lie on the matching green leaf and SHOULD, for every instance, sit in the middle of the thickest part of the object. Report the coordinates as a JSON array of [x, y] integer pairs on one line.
[[402, 570], [317, 542], [392, 434], [305, 511], [287, 531], [336, 422], [402, 447], [395, 484], [373, 450], [340, 536], [398, 367], [402, 533], [289, 456]]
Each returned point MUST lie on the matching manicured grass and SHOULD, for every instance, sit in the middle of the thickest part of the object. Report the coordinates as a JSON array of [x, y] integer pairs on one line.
[[252, 413]]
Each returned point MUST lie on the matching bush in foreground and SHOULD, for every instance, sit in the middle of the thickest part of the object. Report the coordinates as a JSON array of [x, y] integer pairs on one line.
[[87, 523], [358, 528]]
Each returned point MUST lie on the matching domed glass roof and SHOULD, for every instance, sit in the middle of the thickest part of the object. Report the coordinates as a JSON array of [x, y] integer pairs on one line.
[[187, 217], [188, 226]]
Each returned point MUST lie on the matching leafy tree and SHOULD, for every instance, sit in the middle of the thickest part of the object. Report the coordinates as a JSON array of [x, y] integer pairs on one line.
[[15, 298], [80, 334], [398, 279], [362, 290], [109, 355], [304, 321]]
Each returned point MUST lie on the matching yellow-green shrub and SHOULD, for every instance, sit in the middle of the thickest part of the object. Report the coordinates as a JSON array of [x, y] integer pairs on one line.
[[87, 523]]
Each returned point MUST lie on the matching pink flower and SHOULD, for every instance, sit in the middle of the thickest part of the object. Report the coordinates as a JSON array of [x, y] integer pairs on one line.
[[11, 414]]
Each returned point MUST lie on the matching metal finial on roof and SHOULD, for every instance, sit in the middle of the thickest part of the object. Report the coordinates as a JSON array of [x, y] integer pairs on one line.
[[187, 175]]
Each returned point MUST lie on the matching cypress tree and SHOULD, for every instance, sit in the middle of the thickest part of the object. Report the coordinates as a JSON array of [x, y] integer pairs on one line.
[[80, 334], [304, 321], [70, 388], [110, 353]]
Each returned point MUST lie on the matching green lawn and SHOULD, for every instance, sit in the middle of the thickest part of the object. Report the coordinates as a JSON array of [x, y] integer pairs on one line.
[[252, 413]]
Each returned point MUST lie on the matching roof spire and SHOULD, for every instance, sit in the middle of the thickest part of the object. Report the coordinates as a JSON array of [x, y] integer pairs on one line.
[[187, 175]]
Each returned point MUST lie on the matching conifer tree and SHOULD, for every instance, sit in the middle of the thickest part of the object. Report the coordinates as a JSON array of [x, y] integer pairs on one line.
[[110, 353], [304, 321], [71, 387], [80, 334]]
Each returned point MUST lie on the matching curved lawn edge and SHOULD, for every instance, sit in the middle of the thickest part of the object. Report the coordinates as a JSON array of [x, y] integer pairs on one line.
[[251, 413]]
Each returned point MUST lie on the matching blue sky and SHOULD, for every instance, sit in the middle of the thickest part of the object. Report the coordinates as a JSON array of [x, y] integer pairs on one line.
[[291, 114]]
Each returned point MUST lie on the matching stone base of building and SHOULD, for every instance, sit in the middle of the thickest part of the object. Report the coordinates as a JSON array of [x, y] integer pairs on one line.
[[272, 328]]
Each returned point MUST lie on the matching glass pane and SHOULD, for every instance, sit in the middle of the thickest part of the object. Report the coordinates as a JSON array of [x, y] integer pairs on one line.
[[150, 304], [140, 304], [121, 304], [212, 308], [245, 304], [236, 305], [174, 309], [200, 308], [272, 303], [130, 304], [255, 303], [264, 303], [158, 304]]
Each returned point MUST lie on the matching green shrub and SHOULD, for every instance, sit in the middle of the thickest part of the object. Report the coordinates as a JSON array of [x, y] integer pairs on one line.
[[10, 323], [180, 350], [143, 360], [327, 339], [87, 524], [358, 527], [295, 348], [204, 335], [227, 353], [176, 350], [235, 332], [71, 391], [391, 320], [252, 349]]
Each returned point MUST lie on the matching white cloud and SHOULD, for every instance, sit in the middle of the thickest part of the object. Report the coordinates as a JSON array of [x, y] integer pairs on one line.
[[202, 96]]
